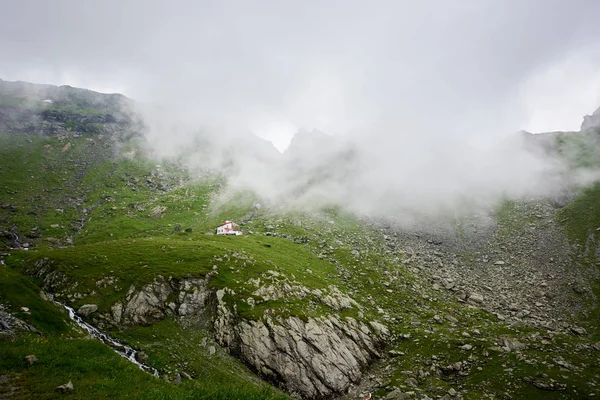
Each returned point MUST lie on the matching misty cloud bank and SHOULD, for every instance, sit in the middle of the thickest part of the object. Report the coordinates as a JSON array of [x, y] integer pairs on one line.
[[420, 98], [376, 172]]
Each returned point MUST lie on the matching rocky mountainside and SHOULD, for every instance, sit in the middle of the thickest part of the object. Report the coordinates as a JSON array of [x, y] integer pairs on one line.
[[591, 122], [53, 110], [495, 303]]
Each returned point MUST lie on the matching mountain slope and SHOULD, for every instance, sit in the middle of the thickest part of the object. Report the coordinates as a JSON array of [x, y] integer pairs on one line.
[[321, 304]]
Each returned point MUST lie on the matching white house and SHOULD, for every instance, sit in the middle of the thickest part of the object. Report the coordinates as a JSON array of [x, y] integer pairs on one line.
[[229, 228]]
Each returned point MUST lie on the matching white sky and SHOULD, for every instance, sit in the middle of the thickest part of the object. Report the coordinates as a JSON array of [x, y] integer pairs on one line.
[[425, 68]]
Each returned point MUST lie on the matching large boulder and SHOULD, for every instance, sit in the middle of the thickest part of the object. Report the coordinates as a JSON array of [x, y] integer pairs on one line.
[[87, 309]]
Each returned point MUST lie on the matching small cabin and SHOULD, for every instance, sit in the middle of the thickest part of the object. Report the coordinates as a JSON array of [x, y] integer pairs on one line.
[[229, 228]]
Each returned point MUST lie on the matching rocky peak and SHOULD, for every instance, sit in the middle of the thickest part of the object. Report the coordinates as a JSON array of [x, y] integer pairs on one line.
[[591, 122]]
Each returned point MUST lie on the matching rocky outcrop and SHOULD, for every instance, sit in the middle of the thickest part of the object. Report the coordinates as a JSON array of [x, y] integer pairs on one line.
[[591, 122], [193, 296], [148, 304], [161, 298], [87, 309], [316, 358], [10, 325]]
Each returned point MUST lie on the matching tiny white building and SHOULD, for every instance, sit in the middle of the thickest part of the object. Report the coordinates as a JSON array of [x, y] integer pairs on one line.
[[229, 228]]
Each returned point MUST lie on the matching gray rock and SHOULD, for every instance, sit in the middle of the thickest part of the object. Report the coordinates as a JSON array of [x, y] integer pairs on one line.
[[67, 387], [476, 298], [578, 330], [148, 304], [317, 358], [412, 382], [117, 312], [397, 394], [193, 296], [87, 309], [395, 353], [511, 344], [31, 359]]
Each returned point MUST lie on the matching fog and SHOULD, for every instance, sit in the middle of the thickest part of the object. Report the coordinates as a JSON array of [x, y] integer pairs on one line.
[[416, 107]]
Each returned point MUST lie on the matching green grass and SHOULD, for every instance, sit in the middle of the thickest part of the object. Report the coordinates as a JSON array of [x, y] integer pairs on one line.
[[114, 195], [17, 290], [140, 261], [581, 222], [579, 149], [512, 218], [166, 343], [99, 373], [96, 371], [581, 218]]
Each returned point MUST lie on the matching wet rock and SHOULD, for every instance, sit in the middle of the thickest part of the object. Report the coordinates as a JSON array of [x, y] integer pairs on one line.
[[141, 357], [87, 309]]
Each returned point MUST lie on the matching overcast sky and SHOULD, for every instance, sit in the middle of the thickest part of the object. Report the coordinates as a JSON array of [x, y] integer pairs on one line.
[[424, 68]]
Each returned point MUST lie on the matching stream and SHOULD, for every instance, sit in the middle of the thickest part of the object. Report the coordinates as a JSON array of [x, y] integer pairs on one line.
[[121, 349]]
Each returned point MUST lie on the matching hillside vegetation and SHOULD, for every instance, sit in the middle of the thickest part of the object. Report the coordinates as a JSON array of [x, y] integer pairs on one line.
[[319, 304]]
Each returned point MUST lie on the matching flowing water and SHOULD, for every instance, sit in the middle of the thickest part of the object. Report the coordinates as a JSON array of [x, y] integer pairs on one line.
[[121, 349]]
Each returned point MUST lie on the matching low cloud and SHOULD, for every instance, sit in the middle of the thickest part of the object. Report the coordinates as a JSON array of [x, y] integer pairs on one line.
[[422, 99]]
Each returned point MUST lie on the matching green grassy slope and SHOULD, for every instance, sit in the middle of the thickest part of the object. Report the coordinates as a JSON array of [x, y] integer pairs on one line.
[[94, 212]]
